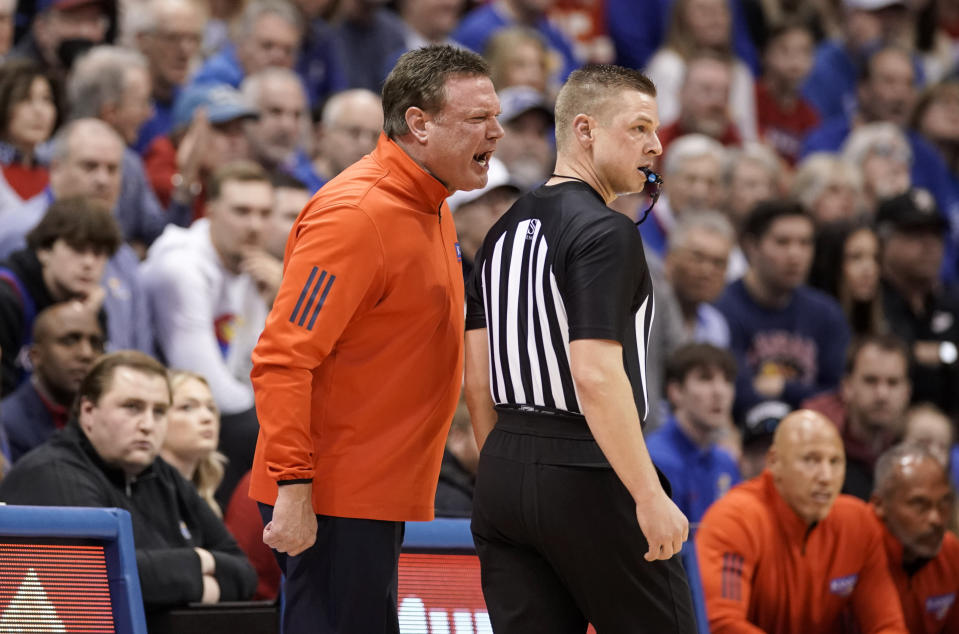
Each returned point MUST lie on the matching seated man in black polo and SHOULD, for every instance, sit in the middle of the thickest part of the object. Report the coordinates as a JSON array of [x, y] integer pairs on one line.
[[919, 308], [106, 456]]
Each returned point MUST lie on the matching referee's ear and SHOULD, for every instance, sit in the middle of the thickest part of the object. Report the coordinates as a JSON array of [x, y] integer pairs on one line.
[[583, 129]]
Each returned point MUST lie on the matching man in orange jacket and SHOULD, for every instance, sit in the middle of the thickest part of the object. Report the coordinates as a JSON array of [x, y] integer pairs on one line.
[[358, 370], [914, 501], [786, 553]]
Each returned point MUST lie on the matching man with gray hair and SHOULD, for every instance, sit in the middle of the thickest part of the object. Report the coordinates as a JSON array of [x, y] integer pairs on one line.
[[113, 84], [87, 155], [348, 129], [269, 33], [692, 181], [371, 287], [886, 93], [699, 248], [915, 504], [168, 33], [277, 135]]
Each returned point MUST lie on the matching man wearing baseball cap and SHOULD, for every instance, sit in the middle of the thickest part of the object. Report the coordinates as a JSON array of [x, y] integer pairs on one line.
[[62, 30], [527, 148], [207, 132], [917, 306]]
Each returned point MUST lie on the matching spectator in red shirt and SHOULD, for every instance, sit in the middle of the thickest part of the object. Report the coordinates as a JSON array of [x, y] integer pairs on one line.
[[28, 115], [207, 132], [704, 103], [783, 115]]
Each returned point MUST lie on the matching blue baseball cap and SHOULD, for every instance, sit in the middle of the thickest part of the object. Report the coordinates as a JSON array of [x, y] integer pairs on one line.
[[518, 100], [223, 103]]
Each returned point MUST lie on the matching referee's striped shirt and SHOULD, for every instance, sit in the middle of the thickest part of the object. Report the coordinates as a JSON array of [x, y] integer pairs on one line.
[[559, 266]]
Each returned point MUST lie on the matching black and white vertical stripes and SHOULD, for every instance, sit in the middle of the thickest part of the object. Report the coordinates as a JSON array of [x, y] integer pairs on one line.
[[528, 332], [528, 328]]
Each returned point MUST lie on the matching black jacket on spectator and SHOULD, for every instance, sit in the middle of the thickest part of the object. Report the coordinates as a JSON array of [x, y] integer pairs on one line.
[[169, 517], [16, 320], [939, 322], [17, 315]]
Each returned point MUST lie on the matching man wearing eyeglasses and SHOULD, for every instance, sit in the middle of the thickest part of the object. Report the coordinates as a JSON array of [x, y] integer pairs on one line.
[[570, 519], [168, 33]]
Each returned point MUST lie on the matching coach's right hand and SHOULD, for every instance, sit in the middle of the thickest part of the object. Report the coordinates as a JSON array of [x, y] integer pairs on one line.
[[664, 526], [293, 527]]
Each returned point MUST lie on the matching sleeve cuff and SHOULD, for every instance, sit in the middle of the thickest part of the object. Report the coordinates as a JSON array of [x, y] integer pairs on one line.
[[300, 481]]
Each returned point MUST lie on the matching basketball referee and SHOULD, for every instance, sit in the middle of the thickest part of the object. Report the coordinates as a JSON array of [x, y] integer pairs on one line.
[[570, 518]]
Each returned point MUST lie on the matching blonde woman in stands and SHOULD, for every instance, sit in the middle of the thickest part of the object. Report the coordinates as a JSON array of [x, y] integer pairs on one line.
[[193, 431]]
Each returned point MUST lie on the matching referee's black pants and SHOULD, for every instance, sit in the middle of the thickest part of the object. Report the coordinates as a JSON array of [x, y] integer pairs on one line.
[[558, 540]]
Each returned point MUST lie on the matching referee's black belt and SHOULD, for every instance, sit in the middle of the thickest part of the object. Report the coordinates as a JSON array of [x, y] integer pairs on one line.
[[535, 421]]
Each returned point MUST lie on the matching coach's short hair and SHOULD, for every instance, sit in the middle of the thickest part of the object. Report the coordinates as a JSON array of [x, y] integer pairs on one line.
[[419, 81], [588, 89]]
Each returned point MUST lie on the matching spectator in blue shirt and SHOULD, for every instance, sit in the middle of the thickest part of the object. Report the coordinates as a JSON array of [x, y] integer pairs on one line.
[[699, 386], [169, 34], [789, 340], [479, 25], [887, 93], [278, 135], [269, 33]]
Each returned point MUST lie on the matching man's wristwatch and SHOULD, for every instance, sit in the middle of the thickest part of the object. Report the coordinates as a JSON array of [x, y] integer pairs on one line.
[[948, 353]]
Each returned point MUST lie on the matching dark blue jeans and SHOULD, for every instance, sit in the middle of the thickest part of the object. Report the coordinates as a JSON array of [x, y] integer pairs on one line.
[[346, 583]]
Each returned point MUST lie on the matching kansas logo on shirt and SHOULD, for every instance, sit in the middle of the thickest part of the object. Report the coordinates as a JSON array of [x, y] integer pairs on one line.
[[939, 606], [459, 252], [225, 328], [843, 586], [309, 296]]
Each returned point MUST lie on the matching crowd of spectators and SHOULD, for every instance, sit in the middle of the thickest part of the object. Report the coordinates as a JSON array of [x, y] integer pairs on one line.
[[155, 153]]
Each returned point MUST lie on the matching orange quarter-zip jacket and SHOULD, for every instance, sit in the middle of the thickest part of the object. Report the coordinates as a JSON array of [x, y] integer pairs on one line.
[[765, 570], [359, 368], [928, 595]]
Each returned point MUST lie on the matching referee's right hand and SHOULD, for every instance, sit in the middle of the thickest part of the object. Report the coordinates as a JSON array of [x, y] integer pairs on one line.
[[664, 526], [293, 527]]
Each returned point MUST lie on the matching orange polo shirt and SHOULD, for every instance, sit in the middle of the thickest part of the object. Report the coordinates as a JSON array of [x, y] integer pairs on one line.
[[929, 595], [359, 368], [764, 570]]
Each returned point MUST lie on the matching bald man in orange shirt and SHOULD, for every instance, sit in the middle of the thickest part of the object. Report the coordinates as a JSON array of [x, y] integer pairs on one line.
[[785, 553]]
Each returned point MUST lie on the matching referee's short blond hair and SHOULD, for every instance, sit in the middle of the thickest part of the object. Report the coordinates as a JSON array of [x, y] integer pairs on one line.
[[588, 91]]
